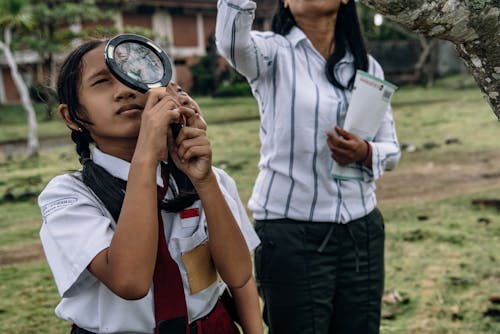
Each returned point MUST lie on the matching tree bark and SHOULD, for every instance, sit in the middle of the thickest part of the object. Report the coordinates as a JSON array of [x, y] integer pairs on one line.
[[473, 26], [33, 144]]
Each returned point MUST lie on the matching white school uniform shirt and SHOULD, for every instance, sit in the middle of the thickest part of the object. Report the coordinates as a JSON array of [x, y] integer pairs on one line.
[[297, 105], [77, 226]]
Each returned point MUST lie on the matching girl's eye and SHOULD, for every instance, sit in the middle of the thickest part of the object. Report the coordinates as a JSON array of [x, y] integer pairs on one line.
[[100, 81]]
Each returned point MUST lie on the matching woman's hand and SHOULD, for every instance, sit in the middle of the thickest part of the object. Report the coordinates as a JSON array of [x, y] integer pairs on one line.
[[347, 148]]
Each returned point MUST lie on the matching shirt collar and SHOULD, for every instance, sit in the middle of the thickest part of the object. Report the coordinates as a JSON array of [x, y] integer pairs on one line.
[[117, 167], [296, 35]]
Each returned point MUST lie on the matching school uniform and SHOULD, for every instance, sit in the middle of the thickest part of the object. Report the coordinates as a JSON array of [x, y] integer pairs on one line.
[[77, 226]]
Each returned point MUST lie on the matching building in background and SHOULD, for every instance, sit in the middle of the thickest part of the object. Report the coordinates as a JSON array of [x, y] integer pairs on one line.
[[181, 27]]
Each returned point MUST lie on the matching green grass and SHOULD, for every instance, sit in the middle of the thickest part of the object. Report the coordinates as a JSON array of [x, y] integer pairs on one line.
[[445, 267], [27, 300]]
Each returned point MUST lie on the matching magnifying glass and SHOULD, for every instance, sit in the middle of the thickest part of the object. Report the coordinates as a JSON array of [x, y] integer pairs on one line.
[[139, 63]]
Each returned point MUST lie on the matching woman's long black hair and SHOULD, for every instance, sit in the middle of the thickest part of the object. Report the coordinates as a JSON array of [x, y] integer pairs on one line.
[[102, 183], [347, 37]]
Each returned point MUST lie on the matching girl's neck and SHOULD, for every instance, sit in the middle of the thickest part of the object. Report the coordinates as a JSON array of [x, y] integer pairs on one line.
[[321, 33], [122, 149]]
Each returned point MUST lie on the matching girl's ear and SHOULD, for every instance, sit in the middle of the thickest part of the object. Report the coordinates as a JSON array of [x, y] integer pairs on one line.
[[64, 112]]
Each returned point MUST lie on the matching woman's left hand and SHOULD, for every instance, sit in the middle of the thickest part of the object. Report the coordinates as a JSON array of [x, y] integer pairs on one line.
[[191, 150], [346, 147]]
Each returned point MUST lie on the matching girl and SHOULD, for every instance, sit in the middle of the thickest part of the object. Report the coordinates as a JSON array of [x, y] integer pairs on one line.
[[320, 267], [133, 245]]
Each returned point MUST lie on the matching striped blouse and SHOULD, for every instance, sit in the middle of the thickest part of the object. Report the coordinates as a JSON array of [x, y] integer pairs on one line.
[[297, 104]]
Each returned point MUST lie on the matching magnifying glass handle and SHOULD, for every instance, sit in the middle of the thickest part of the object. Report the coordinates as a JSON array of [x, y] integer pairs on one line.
[[176, 128]]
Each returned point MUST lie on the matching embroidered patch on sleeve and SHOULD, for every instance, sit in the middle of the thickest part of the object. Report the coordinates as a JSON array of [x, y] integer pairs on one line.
[[55, 206]]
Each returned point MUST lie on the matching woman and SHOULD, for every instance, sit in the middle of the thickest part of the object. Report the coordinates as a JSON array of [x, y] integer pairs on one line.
[[134, 247], [320, 267]]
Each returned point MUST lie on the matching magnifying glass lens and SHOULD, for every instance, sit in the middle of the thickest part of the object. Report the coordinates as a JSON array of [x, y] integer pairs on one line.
[[138, 62]]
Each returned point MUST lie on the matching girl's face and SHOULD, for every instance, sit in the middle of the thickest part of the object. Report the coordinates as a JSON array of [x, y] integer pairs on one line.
[[113, 109]]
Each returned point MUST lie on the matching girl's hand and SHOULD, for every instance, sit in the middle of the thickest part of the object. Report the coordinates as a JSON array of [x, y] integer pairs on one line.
[[191, 150], [346, 148], [159, 112]]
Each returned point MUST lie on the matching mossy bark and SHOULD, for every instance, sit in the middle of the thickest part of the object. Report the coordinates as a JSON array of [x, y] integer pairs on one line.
[[472, 25]]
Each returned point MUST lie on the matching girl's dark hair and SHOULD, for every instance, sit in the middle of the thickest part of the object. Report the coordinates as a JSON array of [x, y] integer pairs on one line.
[[347, 37], [102, 183]]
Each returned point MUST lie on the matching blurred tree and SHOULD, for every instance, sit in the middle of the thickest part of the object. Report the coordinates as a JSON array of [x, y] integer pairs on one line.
[[15, 17], [57, 24], [207, 74], [471, 25], [377, 29]]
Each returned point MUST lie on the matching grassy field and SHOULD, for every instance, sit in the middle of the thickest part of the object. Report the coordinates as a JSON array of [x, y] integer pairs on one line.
[[442, 256]]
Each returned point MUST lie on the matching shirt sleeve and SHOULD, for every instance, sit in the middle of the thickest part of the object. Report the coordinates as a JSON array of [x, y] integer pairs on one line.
[[249, 52], [385, 146], [75, 229], [237, 208]]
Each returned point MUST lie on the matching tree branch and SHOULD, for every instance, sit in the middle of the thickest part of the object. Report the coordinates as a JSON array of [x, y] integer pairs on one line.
[[471, 25]]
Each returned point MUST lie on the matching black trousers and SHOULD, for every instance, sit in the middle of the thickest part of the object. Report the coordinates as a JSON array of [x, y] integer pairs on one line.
[[321, 277]]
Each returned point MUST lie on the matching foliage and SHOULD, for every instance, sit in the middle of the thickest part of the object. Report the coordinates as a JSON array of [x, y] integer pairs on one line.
[[15, 14], [52, 19], [211, 78], [228, 89], [206, 73], [384, 32]]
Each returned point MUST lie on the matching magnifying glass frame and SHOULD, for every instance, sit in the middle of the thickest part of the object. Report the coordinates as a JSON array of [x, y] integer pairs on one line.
[[114, 67]]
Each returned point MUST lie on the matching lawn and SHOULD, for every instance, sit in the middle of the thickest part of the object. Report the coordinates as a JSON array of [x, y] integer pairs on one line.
[[442, 252]]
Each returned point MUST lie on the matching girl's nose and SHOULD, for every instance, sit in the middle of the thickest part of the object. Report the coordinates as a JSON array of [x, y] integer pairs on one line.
[[123, 92]]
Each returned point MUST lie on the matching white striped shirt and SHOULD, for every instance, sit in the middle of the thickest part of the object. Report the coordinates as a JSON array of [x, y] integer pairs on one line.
[[297, 105]]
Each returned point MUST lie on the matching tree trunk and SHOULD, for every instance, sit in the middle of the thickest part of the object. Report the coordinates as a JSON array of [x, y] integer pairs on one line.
[[472, 26], [33, 144]]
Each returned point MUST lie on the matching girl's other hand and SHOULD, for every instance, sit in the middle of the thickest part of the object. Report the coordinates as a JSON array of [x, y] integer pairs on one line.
[[192, 153], [160, 111]]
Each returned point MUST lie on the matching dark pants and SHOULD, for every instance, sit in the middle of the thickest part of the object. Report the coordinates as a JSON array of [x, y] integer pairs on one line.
[[321, 277]]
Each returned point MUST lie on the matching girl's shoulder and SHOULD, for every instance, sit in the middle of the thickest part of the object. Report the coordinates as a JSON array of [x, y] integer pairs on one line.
[[65, 185], [68, 180], [68, 190]]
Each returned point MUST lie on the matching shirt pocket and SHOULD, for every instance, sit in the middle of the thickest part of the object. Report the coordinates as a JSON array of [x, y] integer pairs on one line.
[[195, 256]]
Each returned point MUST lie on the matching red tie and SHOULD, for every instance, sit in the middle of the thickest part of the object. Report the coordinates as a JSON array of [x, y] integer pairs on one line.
[[169, 300]]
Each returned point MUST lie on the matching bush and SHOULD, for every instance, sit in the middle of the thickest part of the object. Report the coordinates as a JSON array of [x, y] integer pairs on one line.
[[233, 89]]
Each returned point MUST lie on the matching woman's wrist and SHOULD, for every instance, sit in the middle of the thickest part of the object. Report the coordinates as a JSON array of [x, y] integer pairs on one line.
[[368, 156]]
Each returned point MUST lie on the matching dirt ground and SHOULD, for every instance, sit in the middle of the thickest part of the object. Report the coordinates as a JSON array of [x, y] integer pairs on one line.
[[417, 183], [432, 181]]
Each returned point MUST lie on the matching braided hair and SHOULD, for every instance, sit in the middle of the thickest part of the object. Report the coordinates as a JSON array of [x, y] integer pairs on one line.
[[102, 183], [347, 37]]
